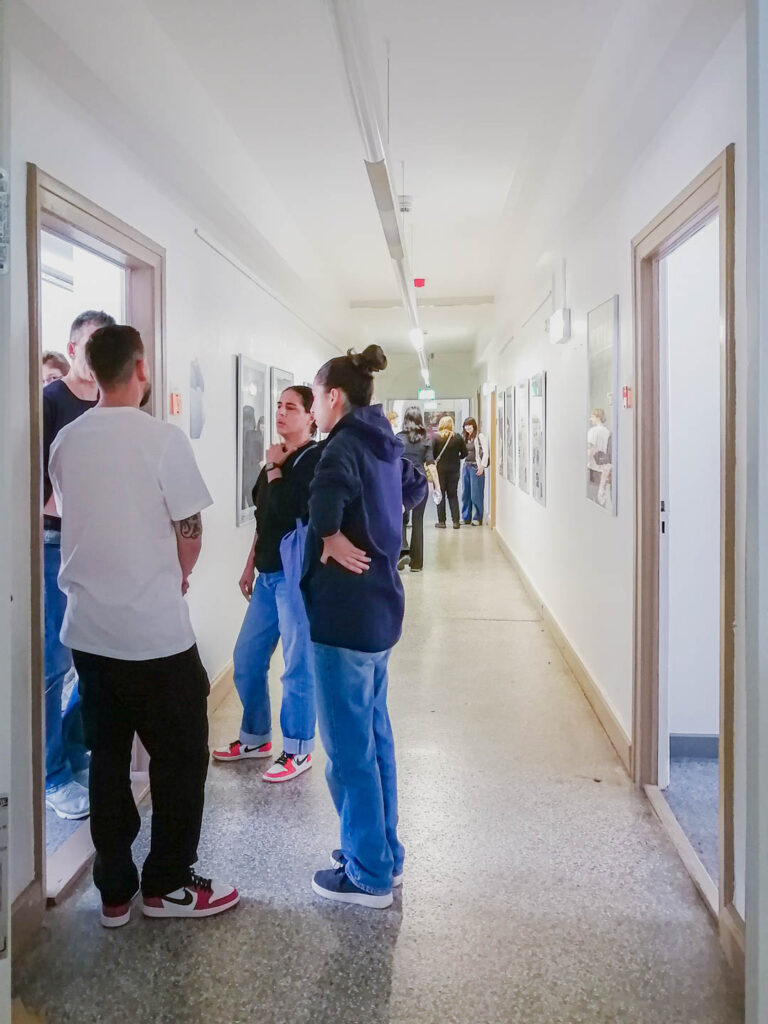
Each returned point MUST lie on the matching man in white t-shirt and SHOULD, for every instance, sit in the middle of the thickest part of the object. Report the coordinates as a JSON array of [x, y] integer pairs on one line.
[[130, 496]]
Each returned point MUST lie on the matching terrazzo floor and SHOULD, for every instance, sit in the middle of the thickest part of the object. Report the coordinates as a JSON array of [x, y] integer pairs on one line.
[[694, 796], [539, 886]]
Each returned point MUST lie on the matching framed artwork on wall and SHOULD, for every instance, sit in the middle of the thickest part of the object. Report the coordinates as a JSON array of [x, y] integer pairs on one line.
[[510, 445], [500, 431], [279, 380], [523, 453], [538, 435], [602, 421], [252, 410]]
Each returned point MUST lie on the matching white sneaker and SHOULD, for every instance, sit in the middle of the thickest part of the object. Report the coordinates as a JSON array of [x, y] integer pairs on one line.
[[69, 801], [288, 766], [238, 751], [200, 897]]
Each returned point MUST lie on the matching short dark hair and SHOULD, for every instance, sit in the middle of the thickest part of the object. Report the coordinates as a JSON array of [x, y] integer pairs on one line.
[[112, 352], [353, 374], [58, 359], [307, 398], [90, 316]]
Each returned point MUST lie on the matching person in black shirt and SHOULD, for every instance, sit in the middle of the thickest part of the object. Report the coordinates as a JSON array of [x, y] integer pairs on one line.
[[418, 450], [276, 608], [450, 448], [66, 757]]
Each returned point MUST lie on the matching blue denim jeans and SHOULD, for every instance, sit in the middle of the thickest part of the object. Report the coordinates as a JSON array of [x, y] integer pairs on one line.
[[65, 751], [472, 493], [276, 610], [361, 773]]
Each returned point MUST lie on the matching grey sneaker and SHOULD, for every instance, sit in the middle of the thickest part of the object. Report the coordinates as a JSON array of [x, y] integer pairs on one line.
[[69, 801]]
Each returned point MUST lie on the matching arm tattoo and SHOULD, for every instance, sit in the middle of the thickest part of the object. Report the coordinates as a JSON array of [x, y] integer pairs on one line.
[[191, 528]]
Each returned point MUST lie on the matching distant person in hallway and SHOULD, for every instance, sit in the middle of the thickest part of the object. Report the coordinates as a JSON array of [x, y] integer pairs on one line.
[[355, 602], [276, 608], [449, 449], [66, 756], [599, 459], [131, 498], [392, 417], [418, 450], [55, 365], [472, 473]]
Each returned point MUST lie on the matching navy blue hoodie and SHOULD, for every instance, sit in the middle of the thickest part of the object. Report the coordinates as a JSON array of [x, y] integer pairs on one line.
[[360, 486]]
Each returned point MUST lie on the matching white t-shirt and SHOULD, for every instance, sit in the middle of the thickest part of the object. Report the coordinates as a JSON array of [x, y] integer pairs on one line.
[[121, 479], [598, 438]]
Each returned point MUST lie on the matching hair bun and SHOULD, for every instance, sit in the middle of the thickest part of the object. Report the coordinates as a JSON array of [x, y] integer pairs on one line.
[[371, 359]]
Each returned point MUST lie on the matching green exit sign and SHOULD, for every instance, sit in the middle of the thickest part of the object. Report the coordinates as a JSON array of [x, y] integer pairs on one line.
[[426, 394]]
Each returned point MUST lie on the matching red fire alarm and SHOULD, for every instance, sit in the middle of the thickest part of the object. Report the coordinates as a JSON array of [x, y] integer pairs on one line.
[[419, 282], [626, 394], [175, 403]]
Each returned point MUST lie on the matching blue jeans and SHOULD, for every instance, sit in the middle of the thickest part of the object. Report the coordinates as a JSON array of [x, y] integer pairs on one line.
[[357, 736], [65, 751], [276, 610], [472, 493]]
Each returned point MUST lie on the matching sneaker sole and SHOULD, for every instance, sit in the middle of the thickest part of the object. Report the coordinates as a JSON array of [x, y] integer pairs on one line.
[[361, 899], [118, 922], [223, 758], [65, 816], [397, 880], [288, 778], [182, 912]]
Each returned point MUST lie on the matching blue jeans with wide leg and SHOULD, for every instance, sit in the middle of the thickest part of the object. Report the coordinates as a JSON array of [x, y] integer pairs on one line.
[[65, 751], [472, 493], [362, 777], [276, 610]]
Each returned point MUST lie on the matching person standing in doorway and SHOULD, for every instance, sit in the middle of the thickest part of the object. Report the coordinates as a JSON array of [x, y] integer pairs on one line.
[[66, 757], [449, 448], [276, 608], [131, 498], [355, 603], [418, 451], [55, 365], [472, 473]]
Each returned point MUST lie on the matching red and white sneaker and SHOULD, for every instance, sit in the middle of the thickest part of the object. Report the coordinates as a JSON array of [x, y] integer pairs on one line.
[[200, 897], [118, 915], [288, 766], [238, 751]]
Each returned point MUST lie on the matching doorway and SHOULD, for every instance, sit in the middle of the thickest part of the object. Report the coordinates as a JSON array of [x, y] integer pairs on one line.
[[79, 257], [683, 722]]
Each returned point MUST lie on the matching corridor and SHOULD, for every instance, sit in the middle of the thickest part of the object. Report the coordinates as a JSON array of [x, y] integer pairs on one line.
[[539, 887]]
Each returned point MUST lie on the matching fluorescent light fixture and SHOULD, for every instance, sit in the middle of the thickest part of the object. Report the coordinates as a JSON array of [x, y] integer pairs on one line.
[[560, 326], [417, 338]]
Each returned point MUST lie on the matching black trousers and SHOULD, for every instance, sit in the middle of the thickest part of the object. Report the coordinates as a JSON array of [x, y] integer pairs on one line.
[[164, 701], [449, 485], [415, 548]]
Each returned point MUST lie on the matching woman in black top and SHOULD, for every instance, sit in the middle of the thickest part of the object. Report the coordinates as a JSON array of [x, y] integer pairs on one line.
[[418, 450], [449, 448], [276, 609]]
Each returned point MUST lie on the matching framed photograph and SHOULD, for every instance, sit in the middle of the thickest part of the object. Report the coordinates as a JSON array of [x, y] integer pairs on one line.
[[602, 420], [500, 431], [510, 446], [279, 380], [252, 410], [538, 435], [523, 454]]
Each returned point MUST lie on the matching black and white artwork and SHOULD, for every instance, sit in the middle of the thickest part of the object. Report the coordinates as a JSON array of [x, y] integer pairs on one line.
[[602, 423], [500, 430], [510, 447], [252, 411], [279, 381], [523, 452], [538, 435], [196, 400]]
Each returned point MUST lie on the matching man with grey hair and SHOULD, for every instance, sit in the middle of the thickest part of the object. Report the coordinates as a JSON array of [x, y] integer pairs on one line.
[[66, 757]]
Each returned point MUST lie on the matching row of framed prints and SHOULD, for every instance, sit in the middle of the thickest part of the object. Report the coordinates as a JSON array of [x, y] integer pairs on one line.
[[522, 433], [258, 390]]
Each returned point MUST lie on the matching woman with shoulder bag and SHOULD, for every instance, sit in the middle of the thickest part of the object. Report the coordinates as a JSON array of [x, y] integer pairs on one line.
[[472, 473], [449, 448], [418, 451]]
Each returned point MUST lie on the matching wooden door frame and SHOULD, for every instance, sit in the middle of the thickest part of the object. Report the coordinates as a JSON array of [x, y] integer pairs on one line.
[[712, 192], [54, 206]]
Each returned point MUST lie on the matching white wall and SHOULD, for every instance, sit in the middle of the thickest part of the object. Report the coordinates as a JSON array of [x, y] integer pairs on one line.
[[212, 312], [580, 558], [452, 375], [692, 492]]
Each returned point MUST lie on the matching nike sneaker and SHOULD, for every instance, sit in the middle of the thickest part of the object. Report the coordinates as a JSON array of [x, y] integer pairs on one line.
[[238, 751], [288, 766], [200, 897], [338, 860], [335, 885], [118, 914]]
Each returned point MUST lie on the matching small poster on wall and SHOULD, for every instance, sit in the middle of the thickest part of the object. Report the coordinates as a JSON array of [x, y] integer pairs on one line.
[[603, 368], [509, 435], [252, 402], [538, 402], [279, 381], [523, 454]]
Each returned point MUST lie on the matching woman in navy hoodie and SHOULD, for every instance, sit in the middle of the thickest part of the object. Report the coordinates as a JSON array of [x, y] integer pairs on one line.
[[355, 603]]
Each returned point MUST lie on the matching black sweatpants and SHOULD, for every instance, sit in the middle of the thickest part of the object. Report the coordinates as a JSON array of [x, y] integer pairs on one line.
[[164, 701]]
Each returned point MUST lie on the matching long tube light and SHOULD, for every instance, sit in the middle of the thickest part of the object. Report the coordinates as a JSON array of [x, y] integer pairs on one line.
[[355, 51]]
